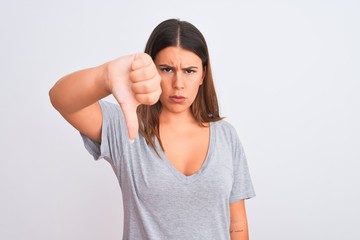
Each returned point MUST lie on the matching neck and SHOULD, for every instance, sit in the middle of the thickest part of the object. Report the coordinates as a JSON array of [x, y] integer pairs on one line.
[[167, 117]]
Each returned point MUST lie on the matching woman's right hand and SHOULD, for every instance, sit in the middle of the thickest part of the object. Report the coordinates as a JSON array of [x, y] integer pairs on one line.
[[133, 80]]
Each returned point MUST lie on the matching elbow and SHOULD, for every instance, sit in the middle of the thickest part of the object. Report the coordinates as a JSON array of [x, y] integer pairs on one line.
[[54, 99]]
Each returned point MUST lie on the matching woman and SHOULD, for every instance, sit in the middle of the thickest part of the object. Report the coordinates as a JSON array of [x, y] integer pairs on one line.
[[185, 175]]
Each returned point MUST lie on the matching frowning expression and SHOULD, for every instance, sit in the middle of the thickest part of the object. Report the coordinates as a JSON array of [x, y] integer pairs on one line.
[[181, 74]]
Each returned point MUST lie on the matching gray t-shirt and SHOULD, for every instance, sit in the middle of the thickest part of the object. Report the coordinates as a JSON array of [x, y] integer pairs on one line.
[[159, 201]]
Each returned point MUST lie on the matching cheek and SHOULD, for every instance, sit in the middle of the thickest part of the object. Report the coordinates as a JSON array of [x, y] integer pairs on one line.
[[195, 85], [165, 90], [195, 88], [194, 91], [165, 86]]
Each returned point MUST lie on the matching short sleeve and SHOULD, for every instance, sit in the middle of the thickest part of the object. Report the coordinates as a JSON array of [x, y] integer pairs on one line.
[[113, 135], [242, 185]]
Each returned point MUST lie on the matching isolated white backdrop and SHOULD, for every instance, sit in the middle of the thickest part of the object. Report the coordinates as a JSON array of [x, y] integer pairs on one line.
[[287, 75]]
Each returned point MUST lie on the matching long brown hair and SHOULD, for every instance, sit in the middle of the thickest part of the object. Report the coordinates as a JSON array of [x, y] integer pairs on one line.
[[205, 109]]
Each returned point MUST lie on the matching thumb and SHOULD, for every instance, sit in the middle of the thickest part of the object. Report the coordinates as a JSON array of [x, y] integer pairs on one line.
[[131, 119]]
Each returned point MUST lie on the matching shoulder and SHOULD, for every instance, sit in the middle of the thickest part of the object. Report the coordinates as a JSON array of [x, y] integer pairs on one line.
[[225, 132], [109, 106], [224, 127], [110, 110]]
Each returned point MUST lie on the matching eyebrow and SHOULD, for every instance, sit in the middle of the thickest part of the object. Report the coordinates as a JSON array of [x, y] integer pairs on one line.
[[169, 66]]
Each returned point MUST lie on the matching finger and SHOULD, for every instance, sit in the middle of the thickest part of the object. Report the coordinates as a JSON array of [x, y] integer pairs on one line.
[[149, 98], [141, 60], [144, 87], [143, 74], [131, 119]]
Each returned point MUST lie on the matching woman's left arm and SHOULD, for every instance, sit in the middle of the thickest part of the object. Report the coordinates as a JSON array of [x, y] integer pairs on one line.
[[238, 221]]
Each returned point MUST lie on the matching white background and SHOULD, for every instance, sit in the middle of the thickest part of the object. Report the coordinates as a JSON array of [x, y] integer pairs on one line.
[[287, 75]]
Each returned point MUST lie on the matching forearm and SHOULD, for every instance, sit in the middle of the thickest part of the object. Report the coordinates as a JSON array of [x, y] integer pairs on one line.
[[79, 89], [239, 231]]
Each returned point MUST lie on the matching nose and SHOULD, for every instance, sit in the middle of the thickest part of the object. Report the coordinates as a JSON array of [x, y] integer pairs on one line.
[[178, 82]]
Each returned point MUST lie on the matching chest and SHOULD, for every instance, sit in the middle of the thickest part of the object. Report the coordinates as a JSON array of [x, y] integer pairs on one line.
[[167, 189], [157, 183], [186, 151]]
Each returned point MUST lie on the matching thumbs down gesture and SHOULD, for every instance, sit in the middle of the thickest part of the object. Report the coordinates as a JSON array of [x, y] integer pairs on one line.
[[133, 80]]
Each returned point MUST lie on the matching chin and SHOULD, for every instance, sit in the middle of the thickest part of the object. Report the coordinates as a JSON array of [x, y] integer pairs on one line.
[[177, 109]]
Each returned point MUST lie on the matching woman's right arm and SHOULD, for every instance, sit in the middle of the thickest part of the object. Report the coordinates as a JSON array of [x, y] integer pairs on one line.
[[76, 97], [132, 79]]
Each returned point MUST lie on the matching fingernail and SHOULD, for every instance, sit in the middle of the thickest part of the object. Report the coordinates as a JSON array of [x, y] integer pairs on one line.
[[131, 141]]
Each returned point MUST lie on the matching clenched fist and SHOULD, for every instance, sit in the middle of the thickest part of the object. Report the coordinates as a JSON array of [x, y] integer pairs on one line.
[[133, 80]]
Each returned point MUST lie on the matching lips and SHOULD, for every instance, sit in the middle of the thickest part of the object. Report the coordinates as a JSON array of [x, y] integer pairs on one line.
[[177, 98]]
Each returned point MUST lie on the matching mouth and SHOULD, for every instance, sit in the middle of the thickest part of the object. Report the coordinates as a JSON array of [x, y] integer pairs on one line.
[[177, 98]]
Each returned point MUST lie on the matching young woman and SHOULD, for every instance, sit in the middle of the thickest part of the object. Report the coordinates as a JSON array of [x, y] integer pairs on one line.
[[185, 175]]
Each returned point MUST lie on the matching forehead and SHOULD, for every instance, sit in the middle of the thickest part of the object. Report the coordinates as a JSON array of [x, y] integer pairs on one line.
[[177, 56]]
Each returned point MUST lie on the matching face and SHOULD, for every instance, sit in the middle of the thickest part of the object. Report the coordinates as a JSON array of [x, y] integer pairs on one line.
[[181, 74]]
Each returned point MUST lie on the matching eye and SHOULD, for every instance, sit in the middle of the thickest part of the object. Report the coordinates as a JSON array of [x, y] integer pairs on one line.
[[189, 71], [166, 69]]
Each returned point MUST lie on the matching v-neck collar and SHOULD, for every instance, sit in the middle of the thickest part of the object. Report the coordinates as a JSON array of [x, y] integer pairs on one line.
[[191, 178]]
